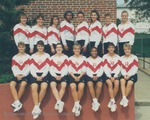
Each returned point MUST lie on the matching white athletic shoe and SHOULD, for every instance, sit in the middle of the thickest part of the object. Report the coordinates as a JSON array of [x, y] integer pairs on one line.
[[96, 106], [78, 110], [121, 102], [56, 106], [109, 104], [74, 109], [113, 107], [125, 102], [17, 107], [36, 112], [13, 105], [61, 107]]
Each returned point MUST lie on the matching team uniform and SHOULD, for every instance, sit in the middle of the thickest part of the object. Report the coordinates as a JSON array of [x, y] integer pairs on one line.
[[94, 68], [129, 66], [111, 66], [126, 34], [20, 65], [53, 37], [82, 34], [59, 67], [77, 66], [109, 35], [37, 34], [95, 36], [39, 66], [21, 34], [67, 36]]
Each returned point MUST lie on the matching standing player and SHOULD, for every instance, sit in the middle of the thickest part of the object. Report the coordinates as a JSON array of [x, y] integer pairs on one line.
[[94, 77], [53, 34], [82, 32], [125, 32], [77, 70], [59, 71], [38, 32], [21, 31], [111, 63], [67, 33], [20, 68], [129, 68], [109, 33], [95, 31], [39, 67]]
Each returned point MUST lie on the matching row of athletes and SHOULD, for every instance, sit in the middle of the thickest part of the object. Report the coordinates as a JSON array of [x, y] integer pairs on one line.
[[88, 36], [75, 71]]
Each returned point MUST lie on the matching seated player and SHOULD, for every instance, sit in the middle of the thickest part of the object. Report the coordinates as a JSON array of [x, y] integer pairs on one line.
[[77, 69], [111, 65], [129, 68], [20, 69], [94, 77], [59, 71], [39, 67]]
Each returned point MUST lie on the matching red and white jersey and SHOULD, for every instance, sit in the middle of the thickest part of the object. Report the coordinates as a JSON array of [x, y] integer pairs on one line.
[[39, 64], [94, 66], [126, 33], [59, 65], [20, 64], [66, 31], [37, 34], [53, 35], [129, 66], [111, 65], [110, 33], [77, 65], [21, 33], [82, 32], [95, 32]]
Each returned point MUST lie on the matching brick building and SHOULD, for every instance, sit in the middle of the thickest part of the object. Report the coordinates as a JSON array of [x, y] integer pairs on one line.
[[58, 7]]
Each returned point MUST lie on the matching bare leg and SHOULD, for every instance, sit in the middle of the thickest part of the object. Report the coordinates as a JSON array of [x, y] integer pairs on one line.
[[80, 90], [91, 89], [62, 90], [54, 90], [129, 87], [74, 92], [116, 87], [35, 95], [13, 90], [110, 88], [98, 89], [22, 89], [123, 87], [43, 89]]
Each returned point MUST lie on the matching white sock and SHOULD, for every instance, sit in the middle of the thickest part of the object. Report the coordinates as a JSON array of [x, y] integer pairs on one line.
[[112, 100], [77, 103], [95, 100], [124, 97], [58, 101], [39, 104], [17, 102]]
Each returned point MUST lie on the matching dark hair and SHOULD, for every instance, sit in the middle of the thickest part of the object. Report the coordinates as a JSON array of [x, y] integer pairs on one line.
[[124, 11], [67, 12], [80, 12], [51, 21], [111, 44], [93, 48], [59, 44], [40, 43], [40, 16], [21, 15], [107, 15], [96, 12]]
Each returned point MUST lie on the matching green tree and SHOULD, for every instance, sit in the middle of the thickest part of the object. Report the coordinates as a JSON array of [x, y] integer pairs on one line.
[[141, 5]]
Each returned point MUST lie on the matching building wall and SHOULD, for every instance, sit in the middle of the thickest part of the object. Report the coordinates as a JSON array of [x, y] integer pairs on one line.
[[58, 7]]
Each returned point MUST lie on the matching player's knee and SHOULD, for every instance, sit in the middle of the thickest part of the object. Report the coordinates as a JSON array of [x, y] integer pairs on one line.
[[90, 85], [12, 84]]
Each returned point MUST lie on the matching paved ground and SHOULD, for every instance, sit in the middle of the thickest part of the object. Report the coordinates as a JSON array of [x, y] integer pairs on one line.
[[142, 97]]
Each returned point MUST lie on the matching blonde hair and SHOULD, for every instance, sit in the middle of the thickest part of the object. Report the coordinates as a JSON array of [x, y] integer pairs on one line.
[[127, 45], [76, 45], [21, 44]]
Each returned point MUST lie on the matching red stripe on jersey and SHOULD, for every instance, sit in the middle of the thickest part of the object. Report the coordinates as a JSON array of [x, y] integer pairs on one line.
[[130, 66], [79, 67], [129, 30], [94, 69], [65, 62], [66, 28], [109, 32], [38, 33], [98, 29], [84, 29], [19, 30], [46, 61], [111, 67], [51, 33], [27, 62]]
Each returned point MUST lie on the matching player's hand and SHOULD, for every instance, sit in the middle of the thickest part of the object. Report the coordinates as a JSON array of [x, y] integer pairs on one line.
[[58, 77], [112, 79], [52, 50], [84, 48], [39, 78], [31, 51], [66, 47]]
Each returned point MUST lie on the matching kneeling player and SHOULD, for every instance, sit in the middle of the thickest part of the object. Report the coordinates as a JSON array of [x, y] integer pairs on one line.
[[59, 70], [39, 67], [77, 69], [111, 64], [129, 68], [94, 77], [20, 68]]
